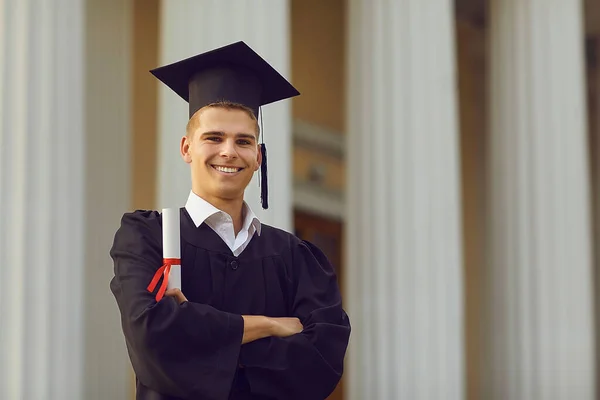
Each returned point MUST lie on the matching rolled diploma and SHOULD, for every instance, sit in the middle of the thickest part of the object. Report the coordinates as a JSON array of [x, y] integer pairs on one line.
[[171, 245]]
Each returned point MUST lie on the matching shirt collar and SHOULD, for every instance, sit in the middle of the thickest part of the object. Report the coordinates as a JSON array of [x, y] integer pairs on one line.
[[200, 210]]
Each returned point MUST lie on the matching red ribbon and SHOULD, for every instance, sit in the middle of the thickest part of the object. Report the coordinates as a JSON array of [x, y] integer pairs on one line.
[[163, 271]]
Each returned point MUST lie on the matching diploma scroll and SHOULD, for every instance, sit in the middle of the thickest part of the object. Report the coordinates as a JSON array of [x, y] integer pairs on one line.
[[171, 244], [170, 271]]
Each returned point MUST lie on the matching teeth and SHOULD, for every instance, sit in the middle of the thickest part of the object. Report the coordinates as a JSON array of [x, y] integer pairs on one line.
[[226, 169]]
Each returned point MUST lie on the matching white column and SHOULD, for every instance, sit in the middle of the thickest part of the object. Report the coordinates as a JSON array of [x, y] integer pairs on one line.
[[42, 244], [404, 262], [64, 174], [540, 343], [189, 27]]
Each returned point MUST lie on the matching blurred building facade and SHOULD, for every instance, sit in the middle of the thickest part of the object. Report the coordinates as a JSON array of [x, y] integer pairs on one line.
[[444, 155]]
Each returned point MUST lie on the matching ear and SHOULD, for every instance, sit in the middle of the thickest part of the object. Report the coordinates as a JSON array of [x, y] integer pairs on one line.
[[184, 149], [259, 158]]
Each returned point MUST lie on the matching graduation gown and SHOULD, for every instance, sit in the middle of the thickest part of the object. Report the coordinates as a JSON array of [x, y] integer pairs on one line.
[[193, 350]]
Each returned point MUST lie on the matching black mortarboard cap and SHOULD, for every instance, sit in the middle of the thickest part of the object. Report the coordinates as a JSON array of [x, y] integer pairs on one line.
[[233, 73]]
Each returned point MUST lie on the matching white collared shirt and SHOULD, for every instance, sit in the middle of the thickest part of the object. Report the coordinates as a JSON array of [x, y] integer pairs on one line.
[[201, 211]]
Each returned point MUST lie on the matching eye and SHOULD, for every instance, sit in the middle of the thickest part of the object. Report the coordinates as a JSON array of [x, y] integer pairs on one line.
[[213, 138], [244, 142]]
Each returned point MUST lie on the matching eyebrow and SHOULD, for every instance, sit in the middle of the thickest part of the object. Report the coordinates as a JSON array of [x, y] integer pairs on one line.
[[238, 135]]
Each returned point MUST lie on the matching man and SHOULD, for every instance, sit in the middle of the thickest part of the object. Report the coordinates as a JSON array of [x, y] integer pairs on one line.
[[259, 314]]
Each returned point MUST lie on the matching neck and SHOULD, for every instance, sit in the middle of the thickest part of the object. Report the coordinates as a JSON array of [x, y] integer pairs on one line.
[[233, 207]]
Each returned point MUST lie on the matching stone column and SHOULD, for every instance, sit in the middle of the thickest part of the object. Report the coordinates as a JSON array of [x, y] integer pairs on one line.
[[42, 220], [540, 312], [63, 187], [189, 27], [404, 262]]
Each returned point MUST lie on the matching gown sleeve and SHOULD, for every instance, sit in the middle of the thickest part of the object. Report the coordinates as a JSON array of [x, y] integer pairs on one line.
[[189, 350], [307, 365]]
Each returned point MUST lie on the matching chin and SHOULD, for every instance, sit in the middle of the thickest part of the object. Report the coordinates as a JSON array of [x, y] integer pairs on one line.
[[229, 194]]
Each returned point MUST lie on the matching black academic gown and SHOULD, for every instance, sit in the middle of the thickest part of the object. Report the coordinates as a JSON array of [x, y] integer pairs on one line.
[[194, 350]]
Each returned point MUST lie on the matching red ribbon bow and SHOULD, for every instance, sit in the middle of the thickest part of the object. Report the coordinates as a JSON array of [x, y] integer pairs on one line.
[[164, 272]]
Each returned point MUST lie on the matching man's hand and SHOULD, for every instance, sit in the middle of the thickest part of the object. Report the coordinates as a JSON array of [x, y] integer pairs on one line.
[[285, 326], [177, 294], [258, 327]]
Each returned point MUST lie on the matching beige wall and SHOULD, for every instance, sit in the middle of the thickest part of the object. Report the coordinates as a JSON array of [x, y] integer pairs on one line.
[[472, 99], [334, 178], [318, 61], [318, 71], [145, 100]]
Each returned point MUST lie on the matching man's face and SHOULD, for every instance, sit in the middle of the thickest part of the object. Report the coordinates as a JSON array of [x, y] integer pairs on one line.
[[222, 153]]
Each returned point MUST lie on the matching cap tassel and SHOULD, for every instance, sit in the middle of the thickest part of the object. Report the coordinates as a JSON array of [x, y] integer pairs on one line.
[[264, 190]]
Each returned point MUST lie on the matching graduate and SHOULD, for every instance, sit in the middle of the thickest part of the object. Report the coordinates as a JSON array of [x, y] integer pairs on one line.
[[259, 314]]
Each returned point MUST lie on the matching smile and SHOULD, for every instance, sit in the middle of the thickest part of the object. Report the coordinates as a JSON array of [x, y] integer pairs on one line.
[[227, 170]]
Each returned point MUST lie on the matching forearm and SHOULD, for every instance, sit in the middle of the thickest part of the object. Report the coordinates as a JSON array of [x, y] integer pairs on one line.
[[256, 327], [291, 368], [169, 343], [304, 366]]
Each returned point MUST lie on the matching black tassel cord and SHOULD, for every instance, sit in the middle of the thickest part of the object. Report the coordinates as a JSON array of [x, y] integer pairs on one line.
[[264, 188]]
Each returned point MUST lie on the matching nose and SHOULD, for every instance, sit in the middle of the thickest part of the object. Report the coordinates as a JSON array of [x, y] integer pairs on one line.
[[228, 149]]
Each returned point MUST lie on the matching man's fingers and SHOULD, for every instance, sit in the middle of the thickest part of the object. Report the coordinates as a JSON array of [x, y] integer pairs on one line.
[[177, 294]]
